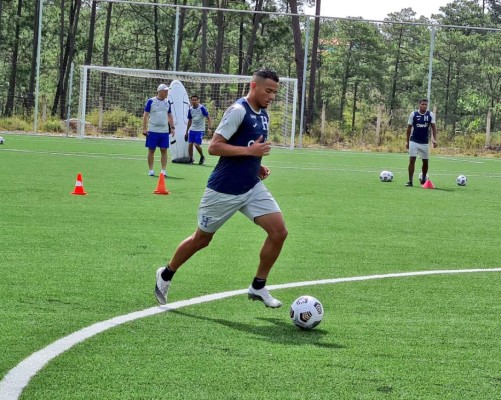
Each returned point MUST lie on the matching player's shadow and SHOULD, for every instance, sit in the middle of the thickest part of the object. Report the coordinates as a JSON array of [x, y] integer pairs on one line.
[[277, 331]]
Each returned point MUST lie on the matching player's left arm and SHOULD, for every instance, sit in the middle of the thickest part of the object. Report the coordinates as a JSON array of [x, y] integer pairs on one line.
[[264, 172], [170, 120], [209, 124], [434, 134], [433, 130]]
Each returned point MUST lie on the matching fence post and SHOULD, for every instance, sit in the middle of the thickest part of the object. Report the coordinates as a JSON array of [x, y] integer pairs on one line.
[[488, 128], [322, 124], [44, 108], [100, 120], [378, 123]]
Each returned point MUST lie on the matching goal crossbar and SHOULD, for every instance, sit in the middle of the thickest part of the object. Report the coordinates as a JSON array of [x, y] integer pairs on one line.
[[95, 78]]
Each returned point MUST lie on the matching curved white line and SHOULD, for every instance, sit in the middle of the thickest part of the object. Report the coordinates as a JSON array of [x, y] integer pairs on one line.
[[18, 377]]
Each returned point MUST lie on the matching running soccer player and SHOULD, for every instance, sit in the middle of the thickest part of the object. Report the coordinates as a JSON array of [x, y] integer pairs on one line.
[[236, 184]]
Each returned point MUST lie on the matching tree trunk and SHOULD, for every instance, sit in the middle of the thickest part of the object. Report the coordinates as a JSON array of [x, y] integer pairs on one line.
[[393, 94], [256, 20], [203, 47], [182, 17], [298, 47], [220, 38], [106, 51], [9, 105], [92, 28], [344, 83], [310, 109], [1, 19], [68, 54], [155, 35], [30, 101], [218, 62], [354, 108]]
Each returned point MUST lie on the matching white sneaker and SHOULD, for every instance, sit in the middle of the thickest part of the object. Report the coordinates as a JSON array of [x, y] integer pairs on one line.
[[264, 296], [151, 173], [161, 287]]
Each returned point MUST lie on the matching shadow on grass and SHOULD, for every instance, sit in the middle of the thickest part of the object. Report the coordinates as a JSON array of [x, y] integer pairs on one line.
[[445, 190], [276, 331]]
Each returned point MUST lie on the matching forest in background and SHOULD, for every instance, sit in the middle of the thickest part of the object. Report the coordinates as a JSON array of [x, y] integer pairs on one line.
[[353, 67]]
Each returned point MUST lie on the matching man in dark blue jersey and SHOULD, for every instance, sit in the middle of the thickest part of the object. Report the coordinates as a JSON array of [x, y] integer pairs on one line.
[[418, 138], [236, 185]]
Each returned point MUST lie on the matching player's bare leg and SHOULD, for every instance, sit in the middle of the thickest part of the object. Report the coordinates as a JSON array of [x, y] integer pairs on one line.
[[151, 160], [163, 160], [189, 246], [412, 166], [424, 171], [274, 226], [183, 253], [200, 151]]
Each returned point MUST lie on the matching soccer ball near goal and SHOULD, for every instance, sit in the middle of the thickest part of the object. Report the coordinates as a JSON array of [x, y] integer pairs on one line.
[[306, 312], [461, 180], [386, 176], [2, 140]]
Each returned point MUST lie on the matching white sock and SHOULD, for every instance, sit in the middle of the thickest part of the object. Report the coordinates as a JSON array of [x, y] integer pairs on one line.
[[163, 172], [152, 171]]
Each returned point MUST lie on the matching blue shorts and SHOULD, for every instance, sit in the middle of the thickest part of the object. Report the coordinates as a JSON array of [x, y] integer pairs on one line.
[[155, 139], [195, 136]]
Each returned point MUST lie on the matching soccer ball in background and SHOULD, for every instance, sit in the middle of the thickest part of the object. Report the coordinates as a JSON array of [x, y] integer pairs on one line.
[[386, 176], [1, 140], [306, 312], [461, 180]]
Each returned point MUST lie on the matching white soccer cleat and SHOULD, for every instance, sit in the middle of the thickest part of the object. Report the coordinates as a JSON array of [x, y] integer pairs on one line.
[[161, 287], [264, 296]]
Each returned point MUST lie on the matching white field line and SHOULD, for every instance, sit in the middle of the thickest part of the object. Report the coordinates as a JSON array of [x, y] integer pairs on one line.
[[18, 377], [275, 164]]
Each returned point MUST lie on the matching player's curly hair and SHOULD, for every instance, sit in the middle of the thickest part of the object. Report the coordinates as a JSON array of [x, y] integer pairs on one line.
[[266, 73]]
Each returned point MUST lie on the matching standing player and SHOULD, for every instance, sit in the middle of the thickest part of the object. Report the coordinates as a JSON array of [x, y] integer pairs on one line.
[[196, 121], [157, 123], [417, 142], [236, 185]]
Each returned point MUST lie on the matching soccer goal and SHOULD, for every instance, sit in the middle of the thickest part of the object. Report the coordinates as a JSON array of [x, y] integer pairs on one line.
[[111, 100]]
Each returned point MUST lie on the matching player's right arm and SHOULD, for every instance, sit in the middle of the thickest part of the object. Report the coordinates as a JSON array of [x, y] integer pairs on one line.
[[146, 116], [187, 130], [410, 121], [145, 123]]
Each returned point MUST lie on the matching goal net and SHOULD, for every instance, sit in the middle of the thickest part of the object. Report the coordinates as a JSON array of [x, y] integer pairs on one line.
[[112, 100]]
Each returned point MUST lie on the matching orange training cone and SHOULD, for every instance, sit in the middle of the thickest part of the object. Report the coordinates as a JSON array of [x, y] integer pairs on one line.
[[428, 185], [79, 189], [161, 189]]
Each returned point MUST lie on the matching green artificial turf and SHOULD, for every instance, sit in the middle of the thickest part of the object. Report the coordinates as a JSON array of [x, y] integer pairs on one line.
[[69, 261]]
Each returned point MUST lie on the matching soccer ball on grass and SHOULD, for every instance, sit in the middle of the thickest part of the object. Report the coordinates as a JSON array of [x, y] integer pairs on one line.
[[306, 312], [421, 176], [461, 180], [386, 176]]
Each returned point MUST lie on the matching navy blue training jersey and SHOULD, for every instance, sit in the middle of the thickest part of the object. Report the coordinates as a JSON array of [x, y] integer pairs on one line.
[[421, 126], [240, 126]]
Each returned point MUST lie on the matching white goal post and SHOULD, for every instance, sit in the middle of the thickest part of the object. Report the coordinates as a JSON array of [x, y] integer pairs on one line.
[[112, 99]]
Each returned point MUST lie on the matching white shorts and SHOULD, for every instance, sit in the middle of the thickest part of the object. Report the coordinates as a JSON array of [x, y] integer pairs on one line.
[[419, 148], [216, 208]]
